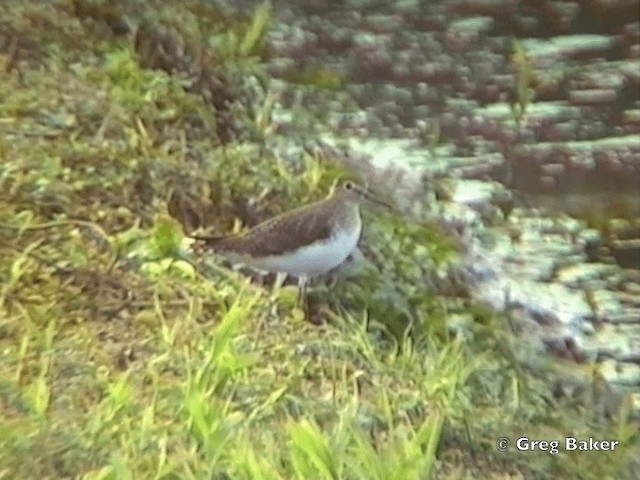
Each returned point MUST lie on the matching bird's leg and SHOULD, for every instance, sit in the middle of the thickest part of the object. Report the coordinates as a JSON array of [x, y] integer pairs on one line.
[[302, 292], [280, 278], [277, 284]]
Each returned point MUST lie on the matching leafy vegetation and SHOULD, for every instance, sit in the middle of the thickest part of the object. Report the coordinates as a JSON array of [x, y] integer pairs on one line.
[[524, 81], [126, 356]]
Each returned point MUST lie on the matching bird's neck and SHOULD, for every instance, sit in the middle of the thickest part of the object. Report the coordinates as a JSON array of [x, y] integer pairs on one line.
[[347, 216]]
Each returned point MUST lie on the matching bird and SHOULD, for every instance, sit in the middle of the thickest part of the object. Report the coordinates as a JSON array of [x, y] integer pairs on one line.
[[306, 242]]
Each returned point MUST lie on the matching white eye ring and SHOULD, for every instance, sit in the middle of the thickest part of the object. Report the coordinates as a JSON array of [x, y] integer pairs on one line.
[[348, 185]]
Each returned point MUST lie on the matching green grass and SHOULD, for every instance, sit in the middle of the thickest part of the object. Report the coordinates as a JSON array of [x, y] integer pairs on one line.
[[120, 359]]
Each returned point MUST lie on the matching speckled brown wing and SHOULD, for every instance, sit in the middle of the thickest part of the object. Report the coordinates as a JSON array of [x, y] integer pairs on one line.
[[280, 234]]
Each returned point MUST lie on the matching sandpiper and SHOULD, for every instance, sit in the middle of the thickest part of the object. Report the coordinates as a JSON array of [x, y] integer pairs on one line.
[[305, 242]]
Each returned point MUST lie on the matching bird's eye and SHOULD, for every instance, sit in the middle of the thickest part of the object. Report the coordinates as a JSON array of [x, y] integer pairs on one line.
[[348, 185]]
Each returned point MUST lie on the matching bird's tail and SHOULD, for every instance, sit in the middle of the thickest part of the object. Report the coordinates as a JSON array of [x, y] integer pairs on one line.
[[204, 242]]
